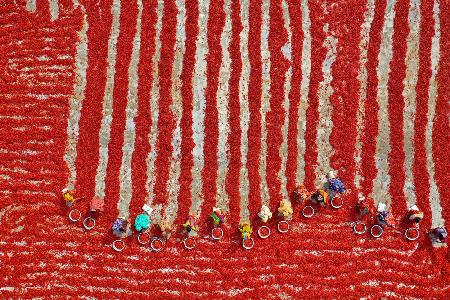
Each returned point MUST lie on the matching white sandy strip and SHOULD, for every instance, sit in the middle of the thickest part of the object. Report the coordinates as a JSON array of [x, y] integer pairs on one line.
[[177, 109], [283, 151], [304, 92], [380, 192], [265, 100], [199, 105], [76, 102], [435, 201], [244, 111], [409, 94], [222, 109], [154, 106], [54, 9], [31, 5], [129, 136], [362, 77], [105, 129], [325, 123]]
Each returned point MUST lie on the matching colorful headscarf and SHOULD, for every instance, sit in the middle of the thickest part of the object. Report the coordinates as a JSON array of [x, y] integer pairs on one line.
[[324, 195], [337, 185], [120, 226], [97, 204], [302, 192], [142, 222], [285, 208]]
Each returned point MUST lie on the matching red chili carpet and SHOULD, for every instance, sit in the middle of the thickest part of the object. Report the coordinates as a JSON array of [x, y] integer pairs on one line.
[[188, 105]]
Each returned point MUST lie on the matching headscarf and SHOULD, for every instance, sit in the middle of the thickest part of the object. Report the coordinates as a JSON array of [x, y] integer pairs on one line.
[[246, 230], [69, 195]]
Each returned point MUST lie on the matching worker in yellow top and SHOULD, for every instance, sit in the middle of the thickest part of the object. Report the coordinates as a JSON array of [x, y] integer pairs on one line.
[[414, 214], [321, 197], [69, 196]]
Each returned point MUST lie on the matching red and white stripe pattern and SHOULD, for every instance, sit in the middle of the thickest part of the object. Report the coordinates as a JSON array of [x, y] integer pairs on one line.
[[200, 130], [186, 105]]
